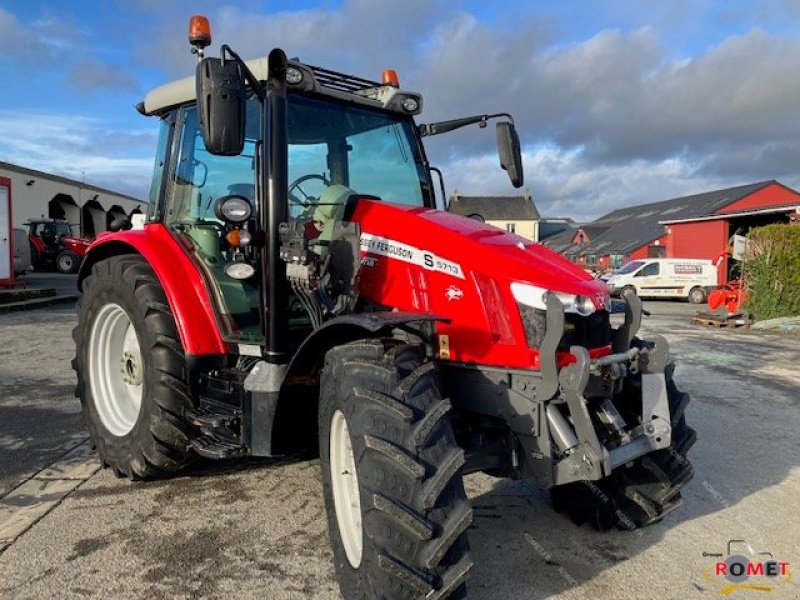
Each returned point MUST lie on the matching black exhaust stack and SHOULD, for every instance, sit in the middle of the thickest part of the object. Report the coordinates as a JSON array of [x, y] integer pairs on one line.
[[274, 181]]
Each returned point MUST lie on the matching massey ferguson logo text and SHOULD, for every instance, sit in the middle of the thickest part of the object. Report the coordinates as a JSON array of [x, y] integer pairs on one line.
[[746, 569], [375, 244]]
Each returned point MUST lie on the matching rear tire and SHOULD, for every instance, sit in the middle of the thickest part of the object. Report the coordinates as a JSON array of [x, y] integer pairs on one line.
[[397, 517], [67, 262], [646, 490], [697, 295], [135, 415]]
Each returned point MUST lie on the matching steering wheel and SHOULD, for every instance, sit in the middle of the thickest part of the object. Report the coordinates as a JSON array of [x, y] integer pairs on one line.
[[309, 200]]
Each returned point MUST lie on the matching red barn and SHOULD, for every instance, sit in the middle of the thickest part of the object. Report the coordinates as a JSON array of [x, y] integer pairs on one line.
[[697, 226]]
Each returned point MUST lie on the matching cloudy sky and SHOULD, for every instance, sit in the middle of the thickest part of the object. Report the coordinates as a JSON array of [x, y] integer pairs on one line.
[[617, 102]]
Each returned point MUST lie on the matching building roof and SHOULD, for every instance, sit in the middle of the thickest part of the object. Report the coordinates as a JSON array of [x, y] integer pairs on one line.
[[551, 226], [630, 228], [66, 180], [561, 242], [592, 231], [495, 208]]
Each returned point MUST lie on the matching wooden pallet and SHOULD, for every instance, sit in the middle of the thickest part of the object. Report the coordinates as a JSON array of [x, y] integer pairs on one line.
[[719, 322]]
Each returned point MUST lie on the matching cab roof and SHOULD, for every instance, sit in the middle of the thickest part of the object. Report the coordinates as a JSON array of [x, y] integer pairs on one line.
[[315, 79]]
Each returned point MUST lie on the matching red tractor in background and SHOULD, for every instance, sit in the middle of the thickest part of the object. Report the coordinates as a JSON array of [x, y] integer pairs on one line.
[[54, 247], [294, 289]]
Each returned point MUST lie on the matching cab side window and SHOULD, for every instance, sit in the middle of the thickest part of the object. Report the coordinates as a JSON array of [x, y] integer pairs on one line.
[[649, 270]]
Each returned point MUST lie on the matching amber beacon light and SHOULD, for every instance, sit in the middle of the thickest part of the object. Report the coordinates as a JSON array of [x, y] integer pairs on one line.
[[390, 78], [199, 32]]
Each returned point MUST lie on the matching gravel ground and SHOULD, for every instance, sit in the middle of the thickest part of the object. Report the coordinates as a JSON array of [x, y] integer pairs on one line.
[[39, 417], [256, 529]]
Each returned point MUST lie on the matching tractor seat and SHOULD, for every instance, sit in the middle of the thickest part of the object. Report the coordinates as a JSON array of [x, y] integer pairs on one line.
[[329, 211]]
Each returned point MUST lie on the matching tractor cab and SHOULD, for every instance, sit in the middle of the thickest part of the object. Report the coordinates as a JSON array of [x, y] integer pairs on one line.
[[49, 230], [336, 152]]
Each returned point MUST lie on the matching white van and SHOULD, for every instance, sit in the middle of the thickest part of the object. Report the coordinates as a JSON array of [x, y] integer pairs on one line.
[[666, 278]]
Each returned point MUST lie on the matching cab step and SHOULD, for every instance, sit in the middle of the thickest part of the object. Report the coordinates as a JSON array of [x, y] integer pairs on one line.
[[217, 449], [209, 415]]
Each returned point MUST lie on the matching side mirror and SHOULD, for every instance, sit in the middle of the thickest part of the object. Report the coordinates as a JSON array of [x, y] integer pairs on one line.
[[221, 106], [510, 156]]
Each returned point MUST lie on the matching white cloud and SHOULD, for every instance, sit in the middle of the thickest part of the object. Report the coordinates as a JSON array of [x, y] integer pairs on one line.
[[77, 146], [564, 183]]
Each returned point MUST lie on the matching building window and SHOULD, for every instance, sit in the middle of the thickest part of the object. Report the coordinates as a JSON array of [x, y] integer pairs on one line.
[[616, 261], [511, 227], [591, 260]]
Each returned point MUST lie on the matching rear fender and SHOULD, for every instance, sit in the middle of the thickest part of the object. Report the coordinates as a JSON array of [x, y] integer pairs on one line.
[[186, 290], [293, 425], [37, 243]]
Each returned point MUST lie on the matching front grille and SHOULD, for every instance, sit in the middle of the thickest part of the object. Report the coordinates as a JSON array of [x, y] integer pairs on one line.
[[593, 331]]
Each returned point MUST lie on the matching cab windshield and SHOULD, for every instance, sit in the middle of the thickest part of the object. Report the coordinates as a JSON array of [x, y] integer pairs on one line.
[[372, 153], [331, 145]]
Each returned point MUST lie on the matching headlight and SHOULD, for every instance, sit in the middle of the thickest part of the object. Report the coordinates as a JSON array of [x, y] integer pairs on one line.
[[534, 296], [293, 76], [410, 104], [233, 209], [239, 269]]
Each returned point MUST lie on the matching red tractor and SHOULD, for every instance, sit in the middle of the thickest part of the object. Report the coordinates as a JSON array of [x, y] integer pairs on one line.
[[294, 288], [54, 246]]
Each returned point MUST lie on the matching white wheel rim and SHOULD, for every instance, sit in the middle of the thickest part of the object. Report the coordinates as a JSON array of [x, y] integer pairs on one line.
[[116, 369], [344, 480], [66, 263]]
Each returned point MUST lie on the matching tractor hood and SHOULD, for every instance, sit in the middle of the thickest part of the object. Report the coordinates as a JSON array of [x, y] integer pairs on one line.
[[469, 245], [478, 277]]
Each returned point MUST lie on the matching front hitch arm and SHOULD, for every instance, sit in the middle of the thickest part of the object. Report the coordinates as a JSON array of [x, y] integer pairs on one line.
[[633, 320], [584, 456]]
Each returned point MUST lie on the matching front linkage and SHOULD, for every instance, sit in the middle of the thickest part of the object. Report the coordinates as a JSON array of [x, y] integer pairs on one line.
[[585, 457], [606, 435]]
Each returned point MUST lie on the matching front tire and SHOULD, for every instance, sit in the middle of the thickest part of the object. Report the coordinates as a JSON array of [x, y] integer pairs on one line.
[[697, 295], [67, 262], [131, 370], [648, 488], [397, 510]]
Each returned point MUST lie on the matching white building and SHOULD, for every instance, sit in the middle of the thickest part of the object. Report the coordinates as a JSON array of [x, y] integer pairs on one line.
[[36, 195], [515, 214]]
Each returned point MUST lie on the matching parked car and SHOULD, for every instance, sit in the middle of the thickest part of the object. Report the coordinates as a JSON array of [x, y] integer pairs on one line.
[[665, 278], [21, 251]]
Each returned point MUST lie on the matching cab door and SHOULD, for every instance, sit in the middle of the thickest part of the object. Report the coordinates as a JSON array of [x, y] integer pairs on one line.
[[647, 281]]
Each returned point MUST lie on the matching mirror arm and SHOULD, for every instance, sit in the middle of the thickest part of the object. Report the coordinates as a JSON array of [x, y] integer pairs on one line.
[[426, 129], [258, 88]]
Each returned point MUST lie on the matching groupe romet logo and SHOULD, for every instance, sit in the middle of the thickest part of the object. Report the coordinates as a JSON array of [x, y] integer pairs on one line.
[[746, 569]]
